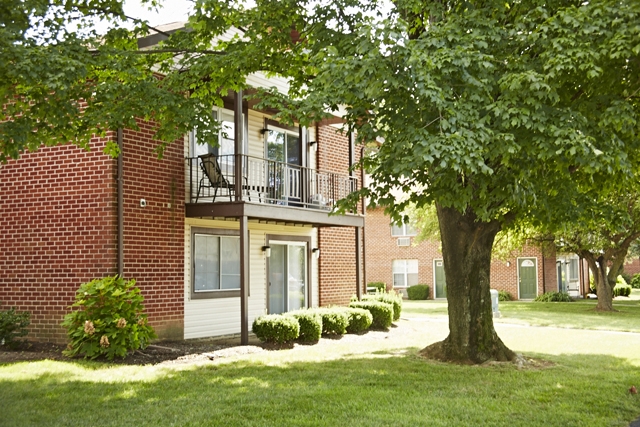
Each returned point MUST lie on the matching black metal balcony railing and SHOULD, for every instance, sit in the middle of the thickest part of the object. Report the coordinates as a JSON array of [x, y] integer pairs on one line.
[[266, 181]]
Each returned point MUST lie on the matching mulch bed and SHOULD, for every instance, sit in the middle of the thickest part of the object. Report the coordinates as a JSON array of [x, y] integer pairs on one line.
[[162, 352]]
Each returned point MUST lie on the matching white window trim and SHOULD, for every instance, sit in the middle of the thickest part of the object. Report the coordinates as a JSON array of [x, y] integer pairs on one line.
[[405, 230]]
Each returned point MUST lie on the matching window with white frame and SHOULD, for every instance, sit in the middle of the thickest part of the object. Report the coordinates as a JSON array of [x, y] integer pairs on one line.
[[224, 143], [405, 273], [282, 144], [216, 263], [402, 230]]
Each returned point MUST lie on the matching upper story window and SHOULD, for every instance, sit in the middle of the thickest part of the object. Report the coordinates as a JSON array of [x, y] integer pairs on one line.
[[282, 144], [402, 230], [224, 144]]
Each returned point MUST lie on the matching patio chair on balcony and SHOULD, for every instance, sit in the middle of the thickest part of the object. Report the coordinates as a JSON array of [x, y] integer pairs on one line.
[[212, 177]]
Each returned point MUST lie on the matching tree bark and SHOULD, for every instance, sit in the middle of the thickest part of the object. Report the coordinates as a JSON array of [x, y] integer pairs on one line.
[[603, 289], [466, 249]]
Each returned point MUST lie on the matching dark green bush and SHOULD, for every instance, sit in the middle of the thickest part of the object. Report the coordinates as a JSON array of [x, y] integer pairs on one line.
[[418, 292], [334, 320], [13, 324], [392, 298], [380, 286], [635, 281], [627, 277], [359, 319], [381, 312], [554, 297], [109, 320], [505, 296], [276, 328], [310, 323], [621, 290]]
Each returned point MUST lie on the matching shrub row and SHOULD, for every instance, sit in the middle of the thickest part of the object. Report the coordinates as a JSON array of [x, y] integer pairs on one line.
[[418, 292], [381, 312], [554, 297], [392, 298], [310, 324], [621, 290]]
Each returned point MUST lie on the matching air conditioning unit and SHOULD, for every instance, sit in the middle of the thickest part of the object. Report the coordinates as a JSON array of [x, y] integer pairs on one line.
[[404, 241]]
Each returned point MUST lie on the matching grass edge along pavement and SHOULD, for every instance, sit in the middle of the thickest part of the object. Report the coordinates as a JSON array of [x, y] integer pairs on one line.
[[370, 379]]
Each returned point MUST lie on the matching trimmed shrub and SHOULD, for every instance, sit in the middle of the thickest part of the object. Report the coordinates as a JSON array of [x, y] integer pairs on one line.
[[621, 290], [392, 298], [13, 324], [310, 323], [554, 297], [381, 312], [635, 281], [621, 281], [109, 320], [505, 296], [334, 320], [627, 277], [380, 286], [359, 319], [418, 292], [276, 328]]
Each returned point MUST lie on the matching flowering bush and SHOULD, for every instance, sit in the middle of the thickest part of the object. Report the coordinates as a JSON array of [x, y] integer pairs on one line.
[[109, 320]]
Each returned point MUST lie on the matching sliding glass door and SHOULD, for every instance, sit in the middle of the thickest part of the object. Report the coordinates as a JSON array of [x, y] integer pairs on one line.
[[287, 276]]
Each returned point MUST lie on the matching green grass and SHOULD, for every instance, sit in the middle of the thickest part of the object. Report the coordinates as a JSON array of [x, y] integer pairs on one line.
[[372, 380], [580, 314], [392, 390]]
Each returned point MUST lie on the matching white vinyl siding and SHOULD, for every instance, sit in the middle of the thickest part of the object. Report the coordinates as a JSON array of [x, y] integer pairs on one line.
[[221, 316]]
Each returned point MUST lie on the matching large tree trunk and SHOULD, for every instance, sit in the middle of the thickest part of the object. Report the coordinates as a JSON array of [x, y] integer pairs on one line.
[[466, 249], [604, 290]]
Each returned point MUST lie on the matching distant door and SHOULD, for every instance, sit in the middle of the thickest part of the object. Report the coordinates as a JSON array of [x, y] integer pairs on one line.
[[287, 276], [439, 279], [527, 278]]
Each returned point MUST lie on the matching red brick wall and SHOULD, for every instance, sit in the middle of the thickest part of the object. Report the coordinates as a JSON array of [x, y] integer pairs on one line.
[[382, 249], [154, 235], [58, 231], [633, 267], [337, 264]]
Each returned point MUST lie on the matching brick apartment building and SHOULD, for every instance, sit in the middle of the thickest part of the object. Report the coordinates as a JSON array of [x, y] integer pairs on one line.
[[393, 258], [214, 236]]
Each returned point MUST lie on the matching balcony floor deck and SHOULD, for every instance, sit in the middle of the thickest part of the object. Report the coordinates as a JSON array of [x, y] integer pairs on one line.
[[269, 212]]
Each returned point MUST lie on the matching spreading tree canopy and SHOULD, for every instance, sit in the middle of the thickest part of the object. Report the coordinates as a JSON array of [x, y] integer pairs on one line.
[[492, 110]]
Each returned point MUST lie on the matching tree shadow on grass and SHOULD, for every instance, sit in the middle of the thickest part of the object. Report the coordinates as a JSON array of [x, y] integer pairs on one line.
[[358, 390]]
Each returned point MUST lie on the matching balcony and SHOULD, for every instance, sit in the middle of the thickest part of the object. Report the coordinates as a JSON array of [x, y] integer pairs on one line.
[[266, 189]]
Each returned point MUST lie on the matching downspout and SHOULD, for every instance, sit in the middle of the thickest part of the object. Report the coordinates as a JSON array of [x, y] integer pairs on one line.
[[120, 202], [364, 214], [544, 274]]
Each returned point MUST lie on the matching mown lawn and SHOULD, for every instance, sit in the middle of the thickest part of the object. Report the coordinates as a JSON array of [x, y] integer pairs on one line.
[[580, 314], [580, 378]]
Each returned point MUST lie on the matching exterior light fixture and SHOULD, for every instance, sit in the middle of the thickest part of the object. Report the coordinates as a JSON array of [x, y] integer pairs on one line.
[[267, 251], [316, 252], [313, 145], [508, 264]]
